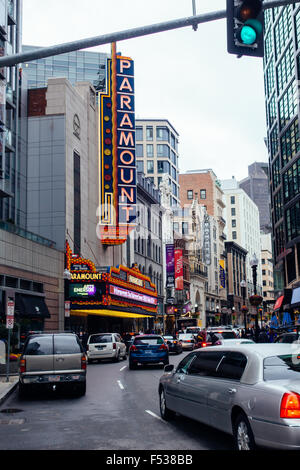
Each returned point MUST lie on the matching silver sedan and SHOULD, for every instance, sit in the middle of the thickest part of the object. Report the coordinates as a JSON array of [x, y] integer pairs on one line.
[[249, 390]]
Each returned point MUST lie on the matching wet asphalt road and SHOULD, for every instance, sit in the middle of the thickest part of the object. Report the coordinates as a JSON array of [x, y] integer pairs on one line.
[[120, 411]]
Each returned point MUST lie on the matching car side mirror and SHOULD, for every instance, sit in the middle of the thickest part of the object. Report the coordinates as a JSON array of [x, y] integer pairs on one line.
[[169, 368]]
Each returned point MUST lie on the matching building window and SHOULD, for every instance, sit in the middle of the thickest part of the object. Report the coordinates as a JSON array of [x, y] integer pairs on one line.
[[190, 194], [149, 150], [202, 193], [185, 228], [140, 166], [176, 227], [149, 133], [233, 222], [232, 199], [162, 133], [150, 166], [139, 148], [139, 133], [163, 150], [233, 211], [234, 235]]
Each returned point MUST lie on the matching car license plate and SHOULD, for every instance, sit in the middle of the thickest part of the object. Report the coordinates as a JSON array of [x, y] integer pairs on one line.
[[75, 377], [148, 352], [100, 347], [54, 378]]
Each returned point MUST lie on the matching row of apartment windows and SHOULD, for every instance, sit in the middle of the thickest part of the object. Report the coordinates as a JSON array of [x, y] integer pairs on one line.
[[162, 134], [162, 150], [190, 194]]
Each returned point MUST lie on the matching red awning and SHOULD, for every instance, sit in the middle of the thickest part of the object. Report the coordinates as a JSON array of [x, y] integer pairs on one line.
[[278, 302]]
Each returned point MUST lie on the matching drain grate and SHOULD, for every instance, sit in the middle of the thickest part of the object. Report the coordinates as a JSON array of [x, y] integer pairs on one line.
[[11, 410]]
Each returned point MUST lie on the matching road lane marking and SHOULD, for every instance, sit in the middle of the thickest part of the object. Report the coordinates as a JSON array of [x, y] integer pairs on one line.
[[122, 368], [154, 415], [120, 385]]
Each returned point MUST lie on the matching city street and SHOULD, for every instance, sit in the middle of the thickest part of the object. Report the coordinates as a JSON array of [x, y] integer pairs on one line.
[[120, 411]]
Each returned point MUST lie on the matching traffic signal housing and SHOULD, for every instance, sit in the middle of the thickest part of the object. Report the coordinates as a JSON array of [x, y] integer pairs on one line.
[[245, 25]]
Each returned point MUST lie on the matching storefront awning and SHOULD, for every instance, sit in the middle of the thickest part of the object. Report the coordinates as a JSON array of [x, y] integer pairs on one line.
[[31, 306], [278, 302], [108, 313], [295, 302]]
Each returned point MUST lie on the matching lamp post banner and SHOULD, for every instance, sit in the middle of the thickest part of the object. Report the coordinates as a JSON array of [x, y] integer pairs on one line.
[[170, 266]]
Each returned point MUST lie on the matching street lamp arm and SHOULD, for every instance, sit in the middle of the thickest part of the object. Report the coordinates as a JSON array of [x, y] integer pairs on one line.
[[43, 52]]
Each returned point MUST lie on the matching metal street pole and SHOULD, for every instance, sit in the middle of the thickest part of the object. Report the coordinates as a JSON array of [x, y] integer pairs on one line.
[[43, 52]]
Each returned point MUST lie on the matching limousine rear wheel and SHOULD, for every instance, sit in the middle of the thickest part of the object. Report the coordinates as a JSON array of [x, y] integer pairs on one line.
[[165, 412], [242, 433]]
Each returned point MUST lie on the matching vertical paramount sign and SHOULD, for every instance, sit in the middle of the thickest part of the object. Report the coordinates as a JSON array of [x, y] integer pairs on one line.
[[117, 170]]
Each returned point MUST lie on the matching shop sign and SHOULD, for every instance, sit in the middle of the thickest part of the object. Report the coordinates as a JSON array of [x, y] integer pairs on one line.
[[170, 266], [206, 241], [117, 169], [178, 269], [67, 308], [135, 280], [131, 295], [86, 276]]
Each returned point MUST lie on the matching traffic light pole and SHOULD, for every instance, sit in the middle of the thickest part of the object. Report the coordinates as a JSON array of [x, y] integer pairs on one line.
[[11, 60]]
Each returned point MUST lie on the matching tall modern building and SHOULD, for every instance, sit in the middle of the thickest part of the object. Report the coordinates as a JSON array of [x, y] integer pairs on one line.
[[76, 66], [282, 73], [256, 185], [242, 224], [157, 153], [12, 170]]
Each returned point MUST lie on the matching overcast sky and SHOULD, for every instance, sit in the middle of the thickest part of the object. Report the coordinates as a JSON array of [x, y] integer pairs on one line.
[[214, 100]]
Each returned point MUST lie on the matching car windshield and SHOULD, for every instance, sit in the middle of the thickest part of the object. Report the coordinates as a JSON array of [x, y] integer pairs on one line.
[[100, 339], [168, 337], [282, 367], [152, 341]]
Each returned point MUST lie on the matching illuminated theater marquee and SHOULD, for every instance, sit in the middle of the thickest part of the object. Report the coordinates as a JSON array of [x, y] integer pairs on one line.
[[117, 170]]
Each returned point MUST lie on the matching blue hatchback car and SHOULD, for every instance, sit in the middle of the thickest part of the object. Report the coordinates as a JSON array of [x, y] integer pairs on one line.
[[148, 349]]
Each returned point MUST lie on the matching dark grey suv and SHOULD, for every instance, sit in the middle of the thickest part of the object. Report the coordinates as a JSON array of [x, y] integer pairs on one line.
[[53, 361]]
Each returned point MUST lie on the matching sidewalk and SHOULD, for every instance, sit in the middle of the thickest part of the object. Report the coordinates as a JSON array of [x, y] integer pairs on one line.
[[6, 388]]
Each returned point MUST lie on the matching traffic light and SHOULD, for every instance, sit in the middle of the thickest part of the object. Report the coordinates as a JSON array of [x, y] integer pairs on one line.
[[245, 24]]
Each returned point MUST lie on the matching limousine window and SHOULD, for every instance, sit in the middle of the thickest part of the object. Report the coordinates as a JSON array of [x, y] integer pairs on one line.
[[282, 367], [232, 366], [206, 364], [185, 363]]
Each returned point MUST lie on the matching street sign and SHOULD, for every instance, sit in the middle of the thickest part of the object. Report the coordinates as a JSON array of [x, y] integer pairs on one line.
[[67, 308], [10, 314]]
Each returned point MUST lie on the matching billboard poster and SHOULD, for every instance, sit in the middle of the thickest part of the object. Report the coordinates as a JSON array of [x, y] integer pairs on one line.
[[178, 269], [222, 273], [170, 265]]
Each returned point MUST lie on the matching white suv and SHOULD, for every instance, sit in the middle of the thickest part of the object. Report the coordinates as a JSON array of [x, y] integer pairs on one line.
[[106, 346]]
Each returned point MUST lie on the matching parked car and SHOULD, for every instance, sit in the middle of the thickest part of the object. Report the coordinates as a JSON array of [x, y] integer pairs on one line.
[[188, 341], [251, 391], [148, 349], [173, 344], [288, 337], [52, 361], [106, 346]]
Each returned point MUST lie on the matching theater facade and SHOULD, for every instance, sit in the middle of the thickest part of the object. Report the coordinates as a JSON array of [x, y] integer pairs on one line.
[[111, 299]]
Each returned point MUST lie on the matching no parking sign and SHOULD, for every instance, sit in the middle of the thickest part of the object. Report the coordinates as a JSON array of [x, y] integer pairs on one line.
[[10, 314]]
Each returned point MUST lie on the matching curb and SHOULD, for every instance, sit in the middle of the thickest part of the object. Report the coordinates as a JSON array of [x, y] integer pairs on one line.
[[4, 395]]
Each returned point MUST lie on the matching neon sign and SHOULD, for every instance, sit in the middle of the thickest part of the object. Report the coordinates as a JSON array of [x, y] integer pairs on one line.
[[117, 168]]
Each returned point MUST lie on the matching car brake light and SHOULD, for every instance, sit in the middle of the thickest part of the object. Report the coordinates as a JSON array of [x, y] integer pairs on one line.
[[83, 362], [22, 366], [204, 345], [133, 348], [163, 346], [290, 405], [114, 345]]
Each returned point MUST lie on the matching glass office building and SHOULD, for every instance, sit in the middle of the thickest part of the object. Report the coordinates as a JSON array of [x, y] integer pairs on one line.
[[76, 66], [282, 73]]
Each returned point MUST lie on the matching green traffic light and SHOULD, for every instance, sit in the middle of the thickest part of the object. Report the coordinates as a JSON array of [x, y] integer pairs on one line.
[[250, 31], [248, 35]]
